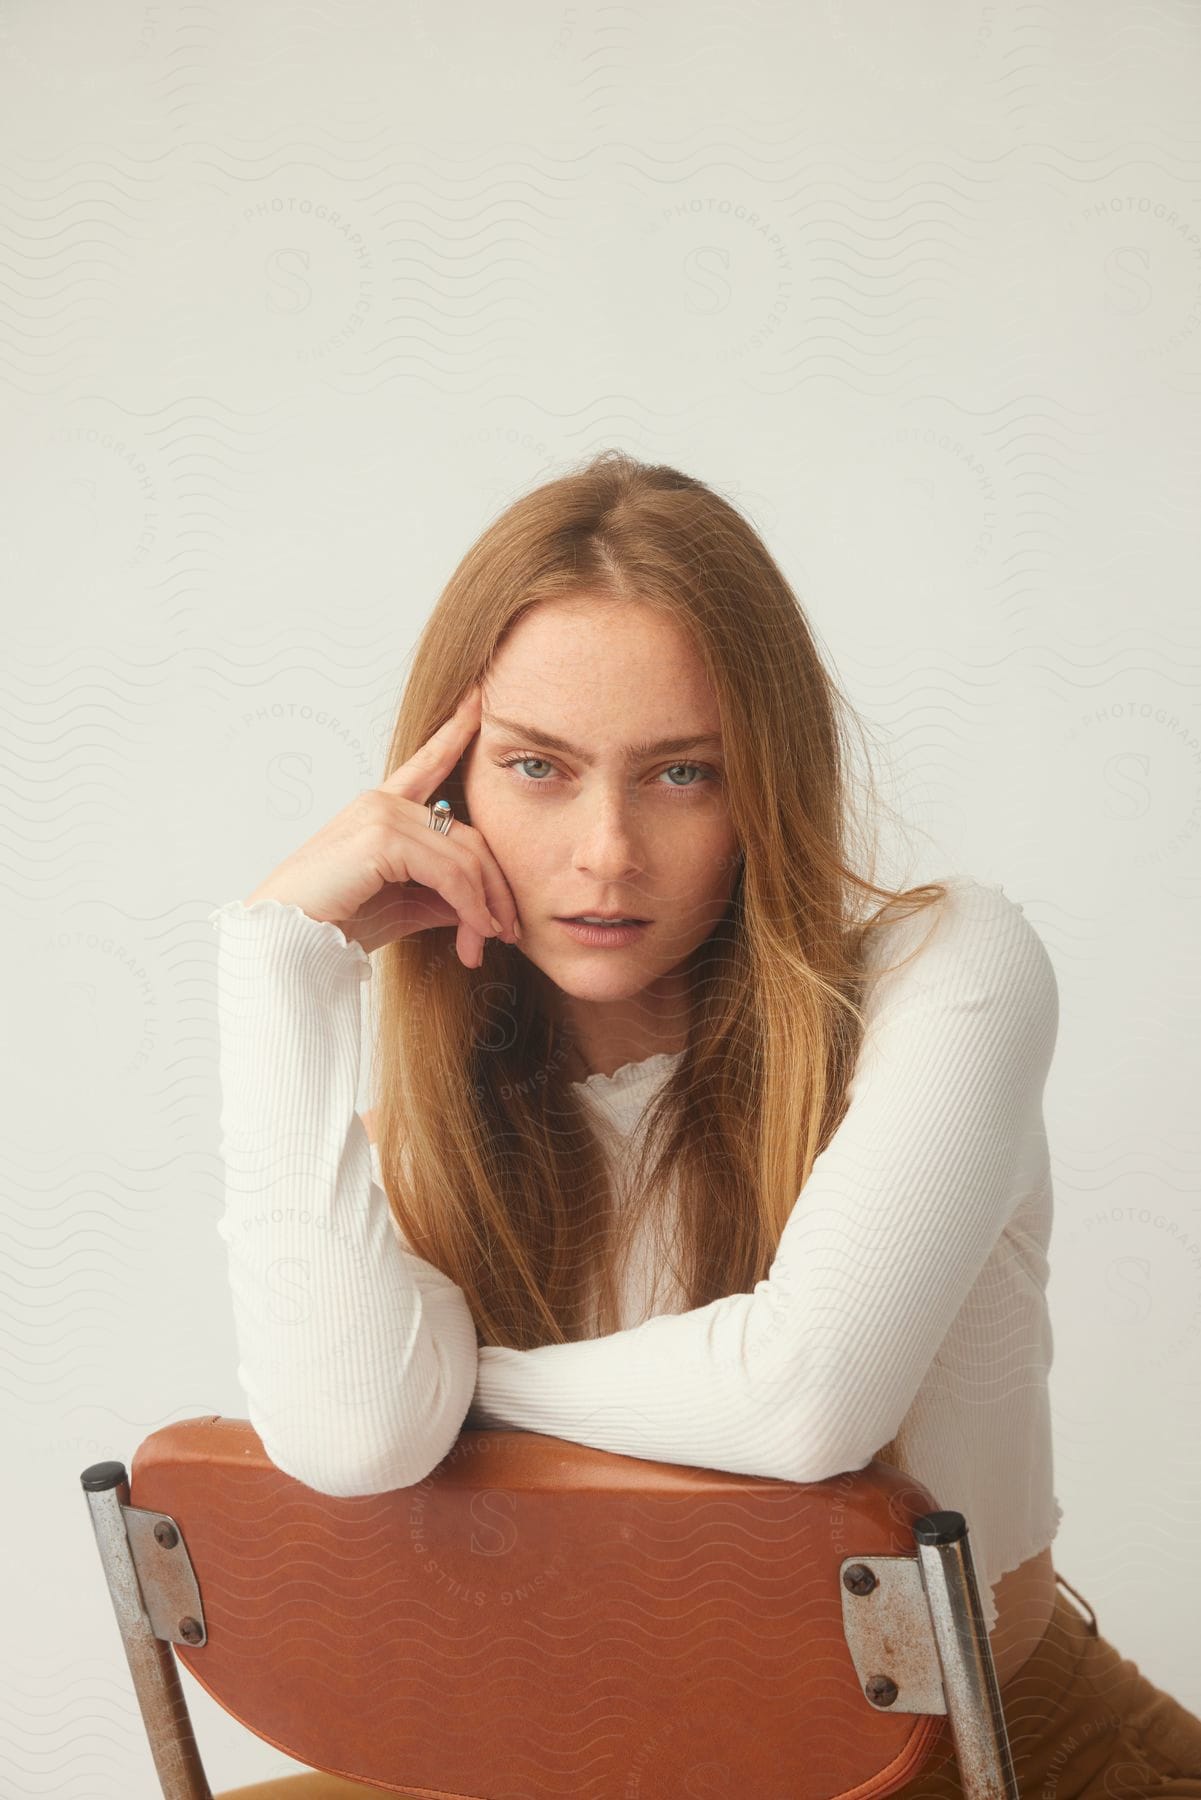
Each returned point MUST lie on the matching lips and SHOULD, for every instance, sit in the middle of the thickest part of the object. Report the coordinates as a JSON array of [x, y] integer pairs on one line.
[[605, 918]]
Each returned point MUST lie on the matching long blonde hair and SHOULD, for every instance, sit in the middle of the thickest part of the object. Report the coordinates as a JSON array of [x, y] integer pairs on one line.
[[490, 1160]]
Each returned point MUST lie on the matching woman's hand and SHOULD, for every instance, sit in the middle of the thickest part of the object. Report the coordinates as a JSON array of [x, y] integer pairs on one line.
[[380, 873]]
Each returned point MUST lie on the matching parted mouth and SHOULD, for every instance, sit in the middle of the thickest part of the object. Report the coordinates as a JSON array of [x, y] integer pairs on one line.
[[605, 918]]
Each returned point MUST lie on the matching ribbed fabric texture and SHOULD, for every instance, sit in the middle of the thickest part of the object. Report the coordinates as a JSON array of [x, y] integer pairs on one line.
[[357, 1358], [906, 1302]]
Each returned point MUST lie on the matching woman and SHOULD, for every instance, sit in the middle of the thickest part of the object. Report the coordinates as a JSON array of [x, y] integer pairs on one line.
[[609, 1246]]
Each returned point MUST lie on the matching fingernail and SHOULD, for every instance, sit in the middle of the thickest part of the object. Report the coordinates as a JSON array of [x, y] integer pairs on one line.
[[517, 928], [496, 925]]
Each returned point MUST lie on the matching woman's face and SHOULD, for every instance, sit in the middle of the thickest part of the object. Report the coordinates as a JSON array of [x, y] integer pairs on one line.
[[605, 826]]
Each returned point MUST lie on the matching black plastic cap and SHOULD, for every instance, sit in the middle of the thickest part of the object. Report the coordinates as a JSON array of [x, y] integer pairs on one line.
[[940, 1528], [98, 1476]]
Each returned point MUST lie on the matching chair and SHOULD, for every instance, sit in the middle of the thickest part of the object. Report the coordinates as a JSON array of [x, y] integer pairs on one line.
[[538, 1619]]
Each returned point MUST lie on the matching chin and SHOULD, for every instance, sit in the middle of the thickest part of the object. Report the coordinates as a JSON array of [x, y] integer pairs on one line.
[[601, 984], [607, 981]]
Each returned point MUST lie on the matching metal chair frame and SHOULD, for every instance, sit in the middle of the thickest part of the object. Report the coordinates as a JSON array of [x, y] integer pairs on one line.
[[913, 1625]]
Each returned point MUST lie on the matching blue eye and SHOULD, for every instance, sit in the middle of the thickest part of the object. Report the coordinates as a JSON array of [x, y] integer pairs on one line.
[[531, 781]]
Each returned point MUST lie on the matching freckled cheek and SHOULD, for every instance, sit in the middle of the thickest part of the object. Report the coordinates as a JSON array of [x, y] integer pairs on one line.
[[486, 802], [513, 838], [696, 882]]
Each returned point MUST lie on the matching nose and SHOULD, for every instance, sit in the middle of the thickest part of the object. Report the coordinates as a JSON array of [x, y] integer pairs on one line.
[[609, 847]]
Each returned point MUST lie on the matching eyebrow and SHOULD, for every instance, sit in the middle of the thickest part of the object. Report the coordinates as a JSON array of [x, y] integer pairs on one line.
[[632, 753]]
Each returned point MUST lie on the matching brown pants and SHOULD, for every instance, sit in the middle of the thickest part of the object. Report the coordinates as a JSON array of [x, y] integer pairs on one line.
[[1083, 1724]]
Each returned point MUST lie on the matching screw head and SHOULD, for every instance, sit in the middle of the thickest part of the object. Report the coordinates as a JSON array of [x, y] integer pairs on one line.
[[860, 1579], [190, 1630], [881, 1690], [166, 1534]]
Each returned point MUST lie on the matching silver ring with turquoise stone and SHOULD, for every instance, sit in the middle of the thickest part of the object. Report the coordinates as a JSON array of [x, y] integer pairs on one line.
[[439, 815]]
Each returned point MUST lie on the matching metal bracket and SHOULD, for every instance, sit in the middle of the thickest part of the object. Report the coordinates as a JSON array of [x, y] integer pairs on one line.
[[170, 1591], [886, 1619]]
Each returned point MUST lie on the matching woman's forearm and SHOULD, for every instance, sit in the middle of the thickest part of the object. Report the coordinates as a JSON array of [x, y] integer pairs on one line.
[[357, 1358]]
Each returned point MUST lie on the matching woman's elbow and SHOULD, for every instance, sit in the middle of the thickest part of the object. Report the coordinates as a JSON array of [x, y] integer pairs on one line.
[[399, 1453], [344, 1477], [804, 1452]]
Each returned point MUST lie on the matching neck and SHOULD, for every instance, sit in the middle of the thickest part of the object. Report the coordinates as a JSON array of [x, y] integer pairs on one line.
[[601, 1037]]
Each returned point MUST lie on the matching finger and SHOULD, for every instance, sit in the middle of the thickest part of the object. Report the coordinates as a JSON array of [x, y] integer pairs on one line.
[[417, 778], [470, 946], [497, 891], [452, 869]]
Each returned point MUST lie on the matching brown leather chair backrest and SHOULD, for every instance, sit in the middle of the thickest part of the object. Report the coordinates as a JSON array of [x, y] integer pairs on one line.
[[542, 1619]]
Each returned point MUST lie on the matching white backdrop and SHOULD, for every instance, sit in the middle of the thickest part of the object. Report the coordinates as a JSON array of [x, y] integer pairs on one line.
[[293, 300]]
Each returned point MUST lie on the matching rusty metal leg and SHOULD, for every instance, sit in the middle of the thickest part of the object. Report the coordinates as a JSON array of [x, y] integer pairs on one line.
[[151, 1660], [969, 1676]]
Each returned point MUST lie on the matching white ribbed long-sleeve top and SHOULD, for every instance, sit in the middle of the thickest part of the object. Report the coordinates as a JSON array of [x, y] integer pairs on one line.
[[906, 1302]]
